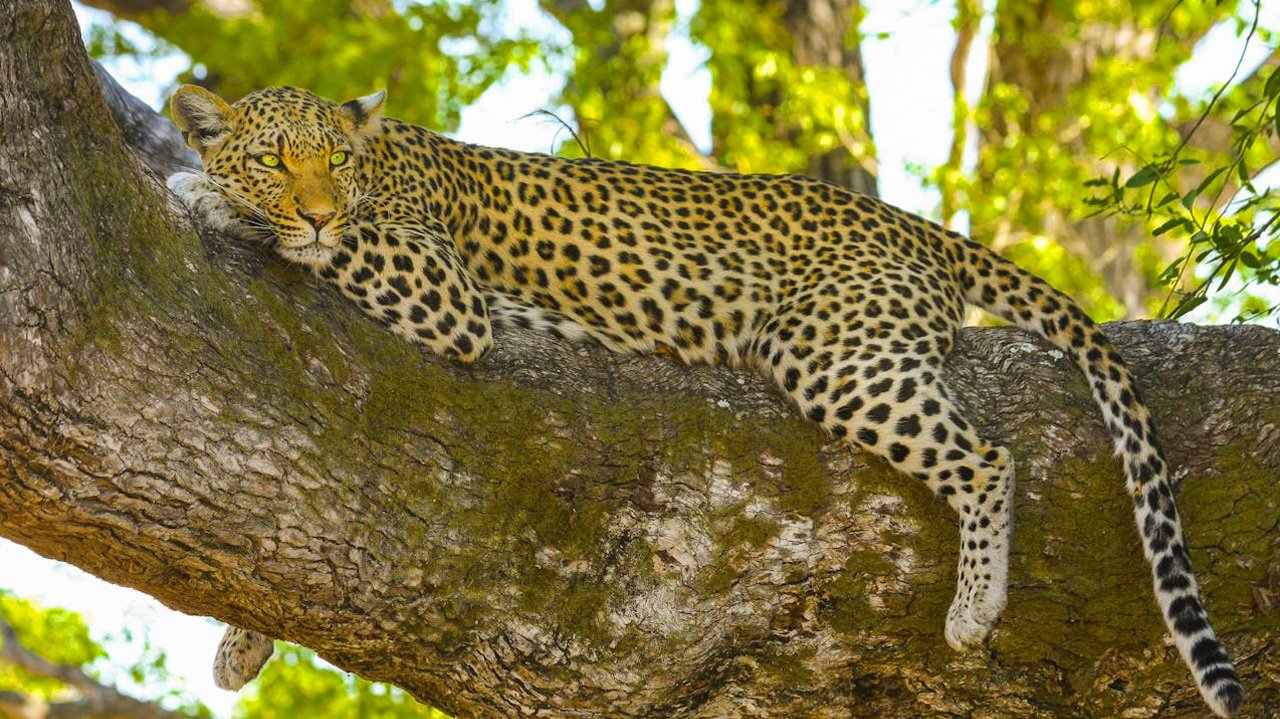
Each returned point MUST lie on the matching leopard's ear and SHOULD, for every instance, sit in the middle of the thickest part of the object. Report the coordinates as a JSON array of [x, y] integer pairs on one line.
[[203, 117], [363, 112]]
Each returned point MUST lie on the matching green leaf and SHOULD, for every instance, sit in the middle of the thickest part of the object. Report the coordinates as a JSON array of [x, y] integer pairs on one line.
[[1187, 304], [1145, 176], [1169, 225], [1189, 199], [1273, 84], [1227, 274], [1172, 271]]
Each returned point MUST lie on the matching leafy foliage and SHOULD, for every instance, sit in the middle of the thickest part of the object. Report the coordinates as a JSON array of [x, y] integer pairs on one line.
[[1212, 203], [1073, 83], [771, 112], [62, 638], [618, 55], [57, 635], [294, 684], [297, 684], [434, 59]]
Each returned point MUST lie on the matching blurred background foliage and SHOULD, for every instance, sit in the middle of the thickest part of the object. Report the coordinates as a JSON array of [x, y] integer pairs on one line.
[[1080, 159], [1075, 90], [51, 668], [297, 684]]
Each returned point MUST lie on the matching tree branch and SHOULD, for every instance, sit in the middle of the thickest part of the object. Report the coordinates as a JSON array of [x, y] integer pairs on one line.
[[95, 701], [561, 530], [153, 139], [1215, 136], [13, 652]]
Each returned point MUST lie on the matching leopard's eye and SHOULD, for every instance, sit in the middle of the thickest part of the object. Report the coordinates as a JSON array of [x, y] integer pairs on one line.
[[269, 159], [338, 159]]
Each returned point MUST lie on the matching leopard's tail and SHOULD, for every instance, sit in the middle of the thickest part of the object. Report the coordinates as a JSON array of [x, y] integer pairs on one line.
[[997, 285]]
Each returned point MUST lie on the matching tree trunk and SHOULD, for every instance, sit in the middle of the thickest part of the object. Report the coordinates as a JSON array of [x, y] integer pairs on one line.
[[560, 531], [1045, 77], [614, 89], [824, 35], [788, 85]]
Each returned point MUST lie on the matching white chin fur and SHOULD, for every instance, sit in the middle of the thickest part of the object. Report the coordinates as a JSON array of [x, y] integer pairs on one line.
[[311, 254]]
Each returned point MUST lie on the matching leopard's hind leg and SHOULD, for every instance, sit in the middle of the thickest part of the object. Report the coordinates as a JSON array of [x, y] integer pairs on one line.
[[878, 385], [922, 433]]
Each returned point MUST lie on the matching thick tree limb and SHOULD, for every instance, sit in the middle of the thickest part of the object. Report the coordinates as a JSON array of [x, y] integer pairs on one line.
[[560, 531], [153, 139]]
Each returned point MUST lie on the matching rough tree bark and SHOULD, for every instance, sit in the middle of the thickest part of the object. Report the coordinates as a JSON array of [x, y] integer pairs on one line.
[[560, 531]]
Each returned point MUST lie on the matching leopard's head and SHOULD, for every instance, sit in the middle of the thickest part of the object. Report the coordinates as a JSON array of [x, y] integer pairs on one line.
[[285, 158]]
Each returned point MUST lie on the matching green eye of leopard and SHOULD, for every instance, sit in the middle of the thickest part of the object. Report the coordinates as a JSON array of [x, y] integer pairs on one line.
[[338, 158], [269, 159]]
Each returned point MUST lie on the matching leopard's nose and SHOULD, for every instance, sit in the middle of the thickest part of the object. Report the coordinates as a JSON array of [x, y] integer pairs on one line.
[[317, 219]]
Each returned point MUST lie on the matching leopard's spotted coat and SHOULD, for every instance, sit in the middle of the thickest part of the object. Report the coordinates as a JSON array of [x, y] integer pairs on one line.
[[849, 304]]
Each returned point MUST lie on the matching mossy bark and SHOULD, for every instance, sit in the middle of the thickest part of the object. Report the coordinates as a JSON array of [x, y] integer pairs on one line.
[[559, 531]]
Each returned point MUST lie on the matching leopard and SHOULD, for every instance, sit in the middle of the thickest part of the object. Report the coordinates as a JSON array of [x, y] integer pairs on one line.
[[847, 303]]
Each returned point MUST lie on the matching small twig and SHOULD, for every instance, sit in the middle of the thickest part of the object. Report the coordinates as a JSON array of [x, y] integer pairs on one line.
[[564, 125], [1257, 11]]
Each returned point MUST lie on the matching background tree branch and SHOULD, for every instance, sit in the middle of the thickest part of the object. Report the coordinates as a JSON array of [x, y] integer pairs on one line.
[[92, 700], [559, 529]]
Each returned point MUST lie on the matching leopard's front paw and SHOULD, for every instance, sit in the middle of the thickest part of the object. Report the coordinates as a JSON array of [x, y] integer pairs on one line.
[[208, 205], [188, 186], [241, 654]]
